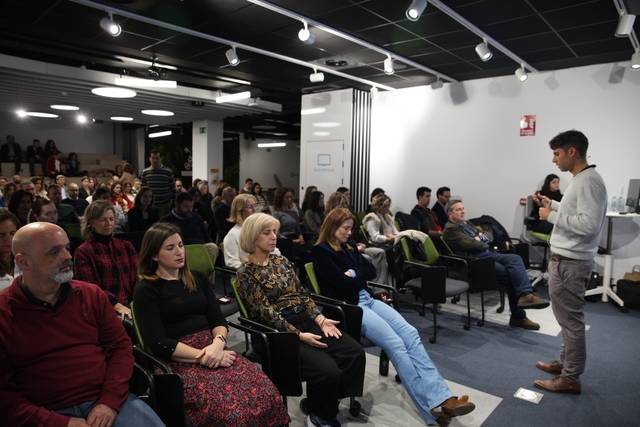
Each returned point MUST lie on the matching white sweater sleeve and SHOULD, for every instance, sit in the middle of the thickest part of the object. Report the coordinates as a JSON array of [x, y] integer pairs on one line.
[[232, 250]]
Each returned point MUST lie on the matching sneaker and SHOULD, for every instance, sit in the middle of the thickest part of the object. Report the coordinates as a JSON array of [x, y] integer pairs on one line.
[[316, 421], [532, 301]]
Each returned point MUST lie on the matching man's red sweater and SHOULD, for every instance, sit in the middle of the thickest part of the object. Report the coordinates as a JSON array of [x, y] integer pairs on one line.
[[54, 358]]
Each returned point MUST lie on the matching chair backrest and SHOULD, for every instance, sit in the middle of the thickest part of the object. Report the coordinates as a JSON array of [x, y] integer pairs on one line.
[[313, 279], [241, 306], [431, 251], [364, 233], [406, 221], [137, 329], [198, 259], [73, 231]]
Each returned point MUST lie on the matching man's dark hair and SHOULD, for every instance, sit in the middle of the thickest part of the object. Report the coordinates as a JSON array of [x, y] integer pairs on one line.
[[100, 193], [342, 190], [248, 180], [183, 197], [376, 191], [442, 190], [154, 151], [571, 138], [421, 190]]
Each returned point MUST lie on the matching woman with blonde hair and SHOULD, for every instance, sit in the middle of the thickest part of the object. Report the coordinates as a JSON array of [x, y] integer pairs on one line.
[[102, 259], [343, 274], [181, 322], [379, 223], [332, 363], [336, 200]]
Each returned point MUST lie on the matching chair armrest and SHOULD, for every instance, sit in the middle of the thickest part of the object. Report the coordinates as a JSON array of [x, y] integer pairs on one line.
[[349, 315], [256, 325], [149, 361], [383, 286], [226, 270]]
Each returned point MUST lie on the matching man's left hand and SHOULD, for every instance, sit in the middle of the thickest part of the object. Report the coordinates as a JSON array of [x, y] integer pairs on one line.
[[544, 213], [101, 416]]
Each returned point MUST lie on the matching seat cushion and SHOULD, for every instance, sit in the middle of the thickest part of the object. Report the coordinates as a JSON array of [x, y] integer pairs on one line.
[[453, 286]]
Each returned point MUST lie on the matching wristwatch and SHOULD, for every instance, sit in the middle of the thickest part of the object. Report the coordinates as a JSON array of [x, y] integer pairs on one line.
[[223, 339]]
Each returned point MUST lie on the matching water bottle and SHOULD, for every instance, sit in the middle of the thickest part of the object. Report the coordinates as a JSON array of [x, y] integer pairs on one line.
[[622, 204], [613, 205]]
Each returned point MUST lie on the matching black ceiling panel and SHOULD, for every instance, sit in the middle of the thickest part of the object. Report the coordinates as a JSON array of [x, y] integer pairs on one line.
[[492, 11], [577, 16]]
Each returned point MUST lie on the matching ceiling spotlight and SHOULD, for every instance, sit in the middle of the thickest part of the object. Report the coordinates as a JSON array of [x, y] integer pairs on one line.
[[625, 24], [232, 57], [635, 60], [415, 9], [521, 74], [21, 113], [305, 35], [81, 118], [483, 51], [388, 65], [164, 113], [111, 26], [316, 77], [64, 107], [438, 84], [113, 92]]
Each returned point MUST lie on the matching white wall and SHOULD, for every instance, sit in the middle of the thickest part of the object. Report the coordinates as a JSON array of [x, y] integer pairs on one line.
[[261, 164], [466, 137], [207, 149], [69, 136]]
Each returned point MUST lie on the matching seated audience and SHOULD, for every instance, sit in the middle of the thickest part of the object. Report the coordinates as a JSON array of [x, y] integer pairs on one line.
[[425, 216], [137, 185], [35, 155], [192, 227], [179, 187], [550, 189], [8, 226], [336, 200], [43, 210], [306, 200], [73, 165], [342, 274], [181, 322], [79, 204], [66, 213], [61, 180], [262, 205], [11, 152], [143, 214], [346, 192], [118, 197], [127, 189], [443, 194], [248, 186], [85, 189], [465, 239], [204, 205], [379, 223], [20, 206], [332, 363], [27, 185], [3, 182], [241, 207], [38, 187], [222, 211], [103, 193], [314, 215], [287, 213], [65, 359], [376, 192], [102, 259], [7, 192]]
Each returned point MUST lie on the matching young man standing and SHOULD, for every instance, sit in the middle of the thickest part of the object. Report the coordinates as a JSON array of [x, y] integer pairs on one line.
[[578, 221]]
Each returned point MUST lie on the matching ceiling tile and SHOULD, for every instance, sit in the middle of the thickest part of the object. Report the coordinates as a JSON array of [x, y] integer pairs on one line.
[[582, 14]]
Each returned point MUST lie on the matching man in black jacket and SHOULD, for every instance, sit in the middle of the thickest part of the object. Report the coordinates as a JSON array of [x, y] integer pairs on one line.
[[425, 216], [11, 152], [192, 227], [35, 154]]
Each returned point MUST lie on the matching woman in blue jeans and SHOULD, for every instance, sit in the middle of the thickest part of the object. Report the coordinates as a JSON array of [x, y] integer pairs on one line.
[[343, 274]]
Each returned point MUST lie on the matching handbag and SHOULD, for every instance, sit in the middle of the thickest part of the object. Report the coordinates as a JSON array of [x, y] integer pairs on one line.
[[634, 275]]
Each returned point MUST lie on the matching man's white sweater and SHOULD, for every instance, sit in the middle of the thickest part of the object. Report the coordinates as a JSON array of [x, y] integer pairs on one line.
[[579, 218]]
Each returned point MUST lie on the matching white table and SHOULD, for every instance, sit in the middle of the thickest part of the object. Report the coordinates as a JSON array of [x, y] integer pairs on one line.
[[605, 290]]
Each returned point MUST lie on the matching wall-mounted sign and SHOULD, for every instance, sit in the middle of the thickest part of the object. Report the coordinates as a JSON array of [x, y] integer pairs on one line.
[[528, 125]]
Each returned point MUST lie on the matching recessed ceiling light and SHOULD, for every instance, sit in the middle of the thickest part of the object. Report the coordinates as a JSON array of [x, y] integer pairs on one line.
[[161, 133], [137, 82], [114, 92], [322, 133], [326, 124], [233, 97], [64, 107], [39, 114], [271, 144], [310, 111], [21, 113], [81, 118], [121, 118], [157, 112]]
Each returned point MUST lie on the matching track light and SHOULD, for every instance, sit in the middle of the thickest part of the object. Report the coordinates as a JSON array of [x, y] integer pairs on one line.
[[111, 26], [388, 65], [415, 9], [438, 84], [483, 51], [521, 74], [625, 24], [232, 57], [316, 77], [305, 35], [635, 60], [81, 118]]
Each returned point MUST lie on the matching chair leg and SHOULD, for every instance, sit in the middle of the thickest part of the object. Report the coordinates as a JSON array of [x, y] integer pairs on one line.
[[467, 325], [432, 340], [383, 368], [481, 321], [501, 308]]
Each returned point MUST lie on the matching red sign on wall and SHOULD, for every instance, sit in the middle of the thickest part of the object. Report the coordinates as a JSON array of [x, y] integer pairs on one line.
[[528, 125]]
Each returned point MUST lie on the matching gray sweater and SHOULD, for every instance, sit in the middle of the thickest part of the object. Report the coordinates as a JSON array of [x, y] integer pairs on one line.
[[579, 218]]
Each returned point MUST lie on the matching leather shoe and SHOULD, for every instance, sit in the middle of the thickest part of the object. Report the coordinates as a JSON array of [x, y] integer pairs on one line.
[[559, 385], [532, 301], [525, 323], [455, 407], [553, 367], [443, 420]]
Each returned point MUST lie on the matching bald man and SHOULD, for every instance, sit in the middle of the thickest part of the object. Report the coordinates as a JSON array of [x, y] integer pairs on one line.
[[79, 204], [65, 359]]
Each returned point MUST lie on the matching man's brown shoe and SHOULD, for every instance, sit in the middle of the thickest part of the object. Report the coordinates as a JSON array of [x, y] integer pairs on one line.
[[525, 323], [443, 420], [455, 407], [532, 301], [554, 367], [559, 385]]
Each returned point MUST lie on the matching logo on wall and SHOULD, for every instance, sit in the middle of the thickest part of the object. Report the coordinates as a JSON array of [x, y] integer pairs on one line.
[[528, 125]]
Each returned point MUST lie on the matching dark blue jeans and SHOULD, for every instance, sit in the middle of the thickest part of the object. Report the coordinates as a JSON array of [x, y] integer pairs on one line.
[[511, 272], [133, 413]]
